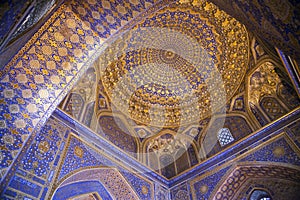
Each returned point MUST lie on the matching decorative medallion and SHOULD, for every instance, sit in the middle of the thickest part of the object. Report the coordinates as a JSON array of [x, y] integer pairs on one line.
[[44, 146], [78, 151], [145, 190], [278, 151], [203, 189]]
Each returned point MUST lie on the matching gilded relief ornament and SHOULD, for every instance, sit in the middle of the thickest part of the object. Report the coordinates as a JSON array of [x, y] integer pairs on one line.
[[177, 66], [263, 82]]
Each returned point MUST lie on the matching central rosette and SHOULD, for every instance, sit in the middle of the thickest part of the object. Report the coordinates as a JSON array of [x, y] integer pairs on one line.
[[168, 56]]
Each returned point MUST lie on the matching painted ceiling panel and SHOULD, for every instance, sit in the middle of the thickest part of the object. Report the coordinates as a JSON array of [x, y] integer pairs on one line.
[[182, 100], [175, 87]]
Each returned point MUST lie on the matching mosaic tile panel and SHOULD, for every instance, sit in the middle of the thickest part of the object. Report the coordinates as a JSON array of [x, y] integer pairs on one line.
[[161, 193], [278, 151], [142, 187], [117, 132], [238, 104], [106, 17], [46, 155], [262, 82], [111, 179], [78, 156], [180, 192], [257, 50], [74, 105], [34, 81], [294, 128], [25, 186], [237, 125], [36, 167], [89, 114], [43, 151], [272, 107], [202, 189]]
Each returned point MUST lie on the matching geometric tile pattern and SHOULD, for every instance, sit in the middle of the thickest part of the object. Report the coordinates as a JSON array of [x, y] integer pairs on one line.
[[278, 188], [32, 83], [278, 151], [239, 127], [263, 82], [89, 112], [42, 151], [107, 17], [80, 157], [114, 130], [272, 107], [161, 193], [77, 157], [203, 187], [35, 170], [239, 104], [294, 129], [288, 95], [141, 187], [258, 115]]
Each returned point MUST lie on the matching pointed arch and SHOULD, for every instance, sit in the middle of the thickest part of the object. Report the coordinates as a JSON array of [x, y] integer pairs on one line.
[[108, 180]]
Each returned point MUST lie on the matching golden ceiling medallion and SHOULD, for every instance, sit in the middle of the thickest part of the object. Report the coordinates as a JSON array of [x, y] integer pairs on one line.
[[177, 66]]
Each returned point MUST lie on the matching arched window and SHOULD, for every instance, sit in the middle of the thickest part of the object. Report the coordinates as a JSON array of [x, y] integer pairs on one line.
[[225, 136], [260, 195]]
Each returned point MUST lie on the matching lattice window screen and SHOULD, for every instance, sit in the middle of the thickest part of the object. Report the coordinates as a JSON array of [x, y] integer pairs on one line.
[[225, 136]]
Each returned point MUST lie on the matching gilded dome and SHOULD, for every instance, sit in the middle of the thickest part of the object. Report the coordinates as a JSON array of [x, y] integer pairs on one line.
[[176, 66]]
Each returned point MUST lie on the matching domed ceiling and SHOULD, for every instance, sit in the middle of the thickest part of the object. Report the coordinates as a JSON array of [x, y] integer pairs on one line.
[[177, 66], [157, 81]]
